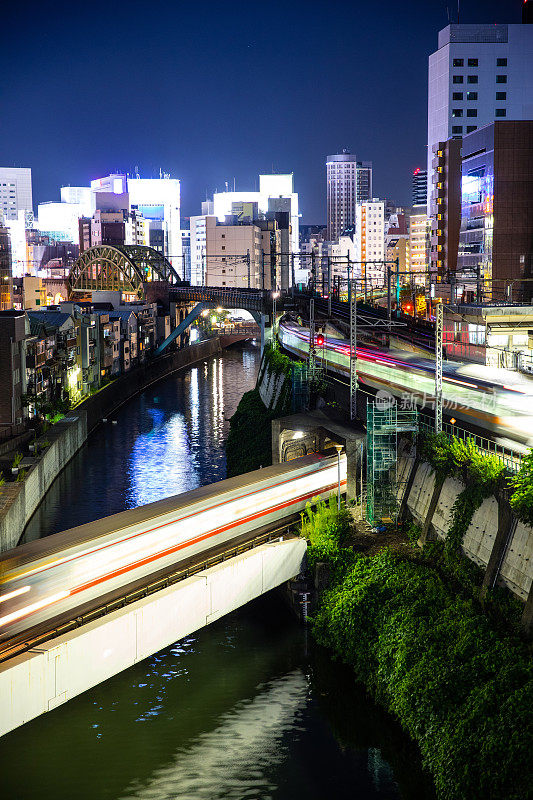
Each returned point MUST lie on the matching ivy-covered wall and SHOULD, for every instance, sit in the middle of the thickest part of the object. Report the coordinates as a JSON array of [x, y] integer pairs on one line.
[[471, 487], [249, 443]]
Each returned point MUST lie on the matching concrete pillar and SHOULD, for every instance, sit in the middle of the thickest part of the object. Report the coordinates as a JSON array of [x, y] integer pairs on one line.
[[506, 524], [276, 430], [408, 487], [527, 615], [431, 510], [355, 449]]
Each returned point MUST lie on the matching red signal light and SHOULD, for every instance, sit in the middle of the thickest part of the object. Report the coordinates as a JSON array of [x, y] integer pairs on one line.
[[320, 340]]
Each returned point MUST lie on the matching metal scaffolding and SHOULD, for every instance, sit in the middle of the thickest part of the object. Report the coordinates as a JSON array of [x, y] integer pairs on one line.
[[384, 422]]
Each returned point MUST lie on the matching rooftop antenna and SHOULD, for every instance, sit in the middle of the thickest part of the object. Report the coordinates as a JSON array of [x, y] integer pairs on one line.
[[458, 10], [226, 186], [234, 183]]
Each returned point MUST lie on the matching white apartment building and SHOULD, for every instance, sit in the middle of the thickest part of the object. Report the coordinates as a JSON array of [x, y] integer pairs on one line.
[[370, 241], [479, 74], [15, 192], [60, 219], [198, 238], [349, 182], [276, 193], [418, 242]]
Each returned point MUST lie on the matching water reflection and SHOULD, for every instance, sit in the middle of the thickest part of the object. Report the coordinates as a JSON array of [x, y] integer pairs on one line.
[[168, 439], [235, 760]]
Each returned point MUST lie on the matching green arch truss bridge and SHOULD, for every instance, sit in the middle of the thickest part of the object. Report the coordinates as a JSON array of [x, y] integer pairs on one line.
[[123, 268]]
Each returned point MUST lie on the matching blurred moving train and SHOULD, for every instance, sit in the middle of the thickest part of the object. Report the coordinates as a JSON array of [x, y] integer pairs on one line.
[[46, 578], [497, 400]]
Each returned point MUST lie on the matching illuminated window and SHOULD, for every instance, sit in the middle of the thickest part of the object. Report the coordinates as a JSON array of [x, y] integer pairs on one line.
[[457, 112]]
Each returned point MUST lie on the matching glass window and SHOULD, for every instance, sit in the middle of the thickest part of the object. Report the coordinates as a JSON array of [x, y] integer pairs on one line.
[[501, 78], [501, 62], [457, 129], [501, 95], [471, 112], [472, 79], [457, 96], [457, 112], [458, 62], [470, 128], [501, 112], [471, 95], [457, 78], [472, 62]]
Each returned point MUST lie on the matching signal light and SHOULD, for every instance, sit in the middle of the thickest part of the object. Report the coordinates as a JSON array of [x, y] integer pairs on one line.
[[320, 340]]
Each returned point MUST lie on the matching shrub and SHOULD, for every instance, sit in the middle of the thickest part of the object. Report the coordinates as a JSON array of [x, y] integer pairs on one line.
[[522, 496]]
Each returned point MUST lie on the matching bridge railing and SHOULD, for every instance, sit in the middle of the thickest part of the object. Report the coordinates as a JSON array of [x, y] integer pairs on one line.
[[511, 458], [255, 299]]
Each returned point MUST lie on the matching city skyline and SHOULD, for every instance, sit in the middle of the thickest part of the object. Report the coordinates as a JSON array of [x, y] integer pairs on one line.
[[232, 69]]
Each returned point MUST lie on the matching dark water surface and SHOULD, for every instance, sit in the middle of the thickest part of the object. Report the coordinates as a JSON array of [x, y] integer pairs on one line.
[[246, 708]]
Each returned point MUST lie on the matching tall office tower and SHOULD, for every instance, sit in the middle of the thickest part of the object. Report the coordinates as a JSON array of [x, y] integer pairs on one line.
[[349, 182], [479, 74], [420, 186]]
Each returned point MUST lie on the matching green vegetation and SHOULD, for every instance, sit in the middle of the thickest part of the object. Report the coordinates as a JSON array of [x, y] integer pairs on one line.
[[21, 475], [16, 460], [482, 475], [459, 686], [249, 442], [522, 496], [327, 529]]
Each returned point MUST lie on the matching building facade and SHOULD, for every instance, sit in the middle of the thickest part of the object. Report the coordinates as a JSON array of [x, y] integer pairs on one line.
[[349, 183], [15, 193], [479, 74], [495, 241], [445, 208], [370, 242]]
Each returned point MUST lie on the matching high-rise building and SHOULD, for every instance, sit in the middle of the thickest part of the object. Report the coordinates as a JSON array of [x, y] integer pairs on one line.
[[349, 182], [15, 192], [158, 200], [495, 242], [370, 242], [479, 74], [420, 186]]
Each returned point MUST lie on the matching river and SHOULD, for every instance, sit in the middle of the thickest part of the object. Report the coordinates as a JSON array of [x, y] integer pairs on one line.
[[246, 708]]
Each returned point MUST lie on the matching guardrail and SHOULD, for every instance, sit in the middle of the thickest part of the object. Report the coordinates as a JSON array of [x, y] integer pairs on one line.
[[175, 577], [511, 458]]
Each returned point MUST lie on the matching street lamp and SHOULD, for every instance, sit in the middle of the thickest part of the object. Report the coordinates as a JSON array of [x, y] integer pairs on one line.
[[275, 296], [338, 448]]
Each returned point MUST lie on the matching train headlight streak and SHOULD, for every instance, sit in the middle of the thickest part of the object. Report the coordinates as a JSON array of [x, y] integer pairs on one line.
[[23, 612], [14, 593]]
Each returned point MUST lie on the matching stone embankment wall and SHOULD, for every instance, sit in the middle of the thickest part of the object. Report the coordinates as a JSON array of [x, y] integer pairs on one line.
[[274, 387], [495, 540], [19, 500]]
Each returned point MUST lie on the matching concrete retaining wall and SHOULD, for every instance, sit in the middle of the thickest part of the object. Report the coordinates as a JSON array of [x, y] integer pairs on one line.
[[18, 501], [516, 568], [44, 678], [271, 385]]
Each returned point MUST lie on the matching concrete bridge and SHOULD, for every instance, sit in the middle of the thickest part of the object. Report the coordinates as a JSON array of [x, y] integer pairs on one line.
[[80, 606]]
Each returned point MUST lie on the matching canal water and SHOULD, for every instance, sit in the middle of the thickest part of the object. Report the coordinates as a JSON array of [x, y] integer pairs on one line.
[[246, 708]]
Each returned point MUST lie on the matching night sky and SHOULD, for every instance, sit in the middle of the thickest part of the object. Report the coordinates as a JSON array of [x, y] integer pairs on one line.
[[212, 91]]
